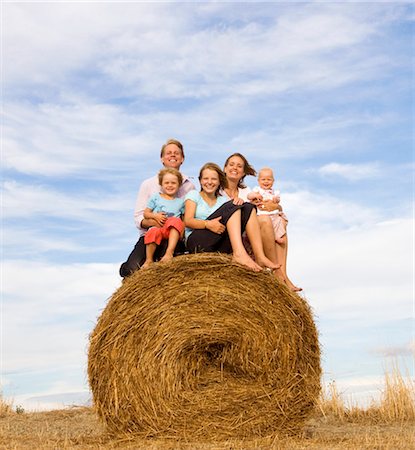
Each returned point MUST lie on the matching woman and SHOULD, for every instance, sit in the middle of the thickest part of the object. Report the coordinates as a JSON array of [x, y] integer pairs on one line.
[[236, 169], [214, 223]]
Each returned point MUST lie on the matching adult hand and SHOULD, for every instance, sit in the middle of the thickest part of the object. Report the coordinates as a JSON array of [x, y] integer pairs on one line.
[[215, 225], [238, 201], [255, 198], [160, 218], [269, 205]]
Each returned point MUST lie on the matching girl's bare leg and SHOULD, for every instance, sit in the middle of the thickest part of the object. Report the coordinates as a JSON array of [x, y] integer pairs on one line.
[[253, 230], [171, 245], [239, 254], [150, 250]]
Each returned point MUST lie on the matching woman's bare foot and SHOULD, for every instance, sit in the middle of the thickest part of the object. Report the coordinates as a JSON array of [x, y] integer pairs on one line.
[[279, 275], [146, 265], [245, 260], [292, 286], [167, 257], [265, 262]]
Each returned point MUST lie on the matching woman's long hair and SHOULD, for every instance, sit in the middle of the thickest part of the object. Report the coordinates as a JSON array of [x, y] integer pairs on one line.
[[248, 169]]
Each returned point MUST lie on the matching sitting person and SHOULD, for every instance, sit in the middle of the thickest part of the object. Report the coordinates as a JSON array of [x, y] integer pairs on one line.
[[171, 155], [236, 169], [167, 209], [265, 191], [213, 223]]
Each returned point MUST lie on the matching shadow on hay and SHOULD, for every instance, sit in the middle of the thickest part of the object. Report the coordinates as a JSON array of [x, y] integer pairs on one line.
[[200, 348]]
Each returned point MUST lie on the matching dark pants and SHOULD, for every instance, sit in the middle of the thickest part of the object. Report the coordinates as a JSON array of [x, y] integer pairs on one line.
[[208, 241], [138, 255]]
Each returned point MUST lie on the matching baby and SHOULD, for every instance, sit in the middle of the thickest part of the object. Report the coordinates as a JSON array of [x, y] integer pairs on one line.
[[265, 191], [166, 209]]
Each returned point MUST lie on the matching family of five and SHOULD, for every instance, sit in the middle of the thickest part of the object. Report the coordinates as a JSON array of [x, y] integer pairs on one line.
[[224, 216]]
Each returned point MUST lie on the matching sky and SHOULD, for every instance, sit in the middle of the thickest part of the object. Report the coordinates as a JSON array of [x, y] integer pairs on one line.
[[320, 91]]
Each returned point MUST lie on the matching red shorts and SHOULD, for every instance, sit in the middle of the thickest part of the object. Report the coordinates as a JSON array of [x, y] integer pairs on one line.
[[157, 234]]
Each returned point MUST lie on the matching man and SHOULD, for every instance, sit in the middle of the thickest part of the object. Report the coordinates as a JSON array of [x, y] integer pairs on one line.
[[171, 155]]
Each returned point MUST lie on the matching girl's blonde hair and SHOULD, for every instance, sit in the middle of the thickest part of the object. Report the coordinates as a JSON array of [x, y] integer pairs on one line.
[[172, 171]]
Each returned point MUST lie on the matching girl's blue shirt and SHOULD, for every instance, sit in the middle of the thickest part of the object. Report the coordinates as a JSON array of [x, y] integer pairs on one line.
[[203, 209]]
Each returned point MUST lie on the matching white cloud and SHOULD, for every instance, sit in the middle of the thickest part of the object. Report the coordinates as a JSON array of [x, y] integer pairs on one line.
[[69, 34], [44, 401], [100, 141], [56, 305], [290, 51], [406, 349], [31, 242], [74, 136], [363, 272], [325, 212], [26, 200], [136, 44], [351, 172]]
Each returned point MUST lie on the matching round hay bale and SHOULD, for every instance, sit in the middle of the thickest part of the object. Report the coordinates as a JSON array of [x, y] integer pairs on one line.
[[203, 349]]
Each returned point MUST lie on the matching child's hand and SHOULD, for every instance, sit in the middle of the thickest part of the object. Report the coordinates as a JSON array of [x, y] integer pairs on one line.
[[160, 218], [215, 225]]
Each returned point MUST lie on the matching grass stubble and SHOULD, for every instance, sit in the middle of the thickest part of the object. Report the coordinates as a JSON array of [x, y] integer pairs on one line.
[[388, 423]]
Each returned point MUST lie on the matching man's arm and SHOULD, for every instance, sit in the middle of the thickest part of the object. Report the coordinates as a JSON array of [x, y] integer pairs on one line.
[[147, 189]]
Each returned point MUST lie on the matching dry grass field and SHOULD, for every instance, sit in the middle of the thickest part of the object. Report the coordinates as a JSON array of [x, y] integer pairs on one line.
[[386, 424]]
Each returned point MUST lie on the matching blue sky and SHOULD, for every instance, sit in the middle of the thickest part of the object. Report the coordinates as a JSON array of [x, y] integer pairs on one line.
[[322, 92]]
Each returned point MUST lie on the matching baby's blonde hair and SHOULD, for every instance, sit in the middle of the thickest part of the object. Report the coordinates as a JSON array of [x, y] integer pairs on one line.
[[265, 168]]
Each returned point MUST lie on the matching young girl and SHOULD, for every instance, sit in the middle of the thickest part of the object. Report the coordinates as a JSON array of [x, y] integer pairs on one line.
[[166, 209], [215, 224], [265, 191]]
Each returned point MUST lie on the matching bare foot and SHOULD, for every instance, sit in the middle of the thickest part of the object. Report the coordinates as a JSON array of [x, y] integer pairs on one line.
[[146, 265], [245, 260], [292, 286], [265, 262], [167, 257], [296, 288], [280, 240], [279, 276]]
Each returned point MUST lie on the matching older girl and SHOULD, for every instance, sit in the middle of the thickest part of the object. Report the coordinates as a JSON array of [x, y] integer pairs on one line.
[[215, 224]]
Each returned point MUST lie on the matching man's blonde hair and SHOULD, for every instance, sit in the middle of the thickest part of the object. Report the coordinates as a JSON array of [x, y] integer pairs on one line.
[[172, 141]]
